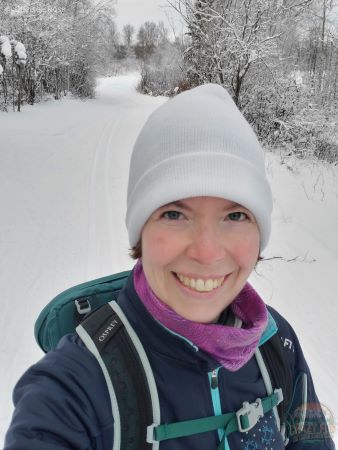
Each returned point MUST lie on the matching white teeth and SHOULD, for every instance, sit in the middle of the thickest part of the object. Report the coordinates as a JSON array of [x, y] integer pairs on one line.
[[209, 285], [199, 284]]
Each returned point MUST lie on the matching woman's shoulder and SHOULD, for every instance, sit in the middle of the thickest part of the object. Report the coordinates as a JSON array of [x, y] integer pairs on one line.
[[69, 356], [282, 322], [69, 368], [288, 336], [69, 394]]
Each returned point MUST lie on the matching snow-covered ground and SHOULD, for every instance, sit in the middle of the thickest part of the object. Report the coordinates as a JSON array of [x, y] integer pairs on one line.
[[63, 176]]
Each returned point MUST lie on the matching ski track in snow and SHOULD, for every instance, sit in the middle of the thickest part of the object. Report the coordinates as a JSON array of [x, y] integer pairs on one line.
[[63, 182], [99, 204]]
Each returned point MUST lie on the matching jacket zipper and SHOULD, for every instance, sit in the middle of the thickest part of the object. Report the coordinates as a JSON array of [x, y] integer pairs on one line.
[[216, 401], [214, 379]]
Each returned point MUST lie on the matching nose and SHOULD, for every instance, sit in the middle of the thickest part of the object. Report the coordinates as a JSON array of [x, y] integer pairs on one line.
[[206, 245]]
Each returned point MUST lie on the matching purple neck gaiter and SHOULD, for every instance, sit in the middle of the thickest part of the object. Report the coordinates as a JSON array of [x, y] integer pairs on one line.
[[232, 347]]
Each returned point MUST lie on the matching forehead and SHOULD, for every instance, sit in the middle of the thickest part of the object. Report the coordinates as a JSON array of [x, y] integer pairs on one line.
[[195, 202]]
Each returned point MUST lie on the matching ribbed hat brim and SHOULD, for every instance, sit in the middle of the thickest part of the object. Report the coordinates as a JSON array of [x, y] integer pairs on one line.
[[189, 175]]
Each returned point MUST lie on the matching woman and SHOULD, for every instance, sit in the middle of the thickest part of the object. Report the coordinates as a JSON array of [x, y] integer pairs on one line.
[[198, 218]]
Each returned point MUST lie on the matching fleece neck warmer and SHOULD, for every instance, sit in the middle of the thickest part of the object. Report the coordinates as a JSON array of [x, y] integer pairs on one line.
[[232, 347]]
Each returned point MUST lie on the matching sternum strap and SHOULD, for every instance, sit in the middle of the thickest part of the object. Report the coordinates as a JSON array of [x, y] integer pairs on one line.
[[242, 420]]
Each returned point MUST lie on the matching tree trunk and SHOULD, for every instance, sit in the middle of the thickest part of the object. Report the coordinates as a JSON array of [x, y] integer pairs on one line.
[[13, 85], [324, 22], [19, 87], [4, 82]]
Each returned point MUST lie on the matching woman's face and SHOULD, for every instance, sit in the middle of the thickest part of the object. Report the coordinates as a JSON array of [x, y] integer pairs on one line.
[[197, 254]]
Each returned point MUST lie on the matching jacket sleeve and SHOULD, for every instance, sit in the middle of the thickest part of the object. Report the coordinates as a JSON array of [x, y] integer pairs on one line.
[[308, 422], [61, 403]]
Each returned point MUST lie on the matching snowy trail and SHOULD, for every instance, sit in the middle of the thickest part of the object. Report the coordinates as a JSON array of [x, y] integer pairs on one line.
[[63, 177], [108, 183], [63, 180], [100, 202]]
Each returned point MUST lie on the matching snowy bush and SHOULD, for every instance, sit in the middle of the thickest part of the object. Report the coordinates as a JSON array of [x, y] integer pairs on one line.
[[64, 47], [5, 50], [20, 53], [163, 73], [289, 121], [278, 60]]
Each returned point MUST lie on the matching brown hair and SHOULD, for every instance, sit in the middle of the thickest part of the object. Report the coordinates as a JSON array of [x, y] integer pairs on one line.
[[136, 251]]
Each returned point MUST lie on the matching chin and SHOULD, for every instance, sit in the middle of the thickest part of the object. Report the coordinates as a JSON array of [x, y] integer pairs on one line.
[[199, 315]]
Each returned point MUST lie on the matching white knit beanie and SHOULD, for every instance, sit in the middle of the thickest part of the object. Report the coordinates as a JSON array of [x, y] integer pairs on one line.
[[197, 144]]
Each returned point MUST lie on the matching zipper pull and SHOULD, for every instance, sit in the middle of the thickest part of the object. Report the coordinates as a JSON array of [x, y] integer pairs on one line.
[[214, 379]]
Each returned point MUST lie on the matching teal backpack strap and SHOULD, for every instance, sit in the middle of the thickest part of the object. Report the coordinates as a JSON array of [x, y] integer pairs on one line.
[[110, 338], [242, 420], [61, 315]]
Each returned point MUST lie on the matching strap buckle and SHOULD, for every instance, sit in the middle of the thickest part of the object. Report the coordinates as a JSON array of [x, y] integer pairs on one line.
[[252, 412], [83, 306], [150, 439]]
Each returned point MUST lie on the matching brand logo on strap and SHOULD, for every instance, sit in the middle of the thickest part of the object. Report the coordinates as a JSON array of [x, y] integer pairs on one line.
[[113, 324]]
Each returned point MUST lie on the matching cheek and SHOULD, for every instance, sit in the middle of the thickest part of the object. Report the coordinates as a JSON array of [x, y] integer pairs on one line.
[[246, 250], [157, 247]]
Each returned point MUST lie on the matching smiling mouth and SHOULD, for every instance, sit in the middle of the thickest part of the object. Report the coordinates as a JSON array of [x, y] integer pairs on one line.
[[198, 284]]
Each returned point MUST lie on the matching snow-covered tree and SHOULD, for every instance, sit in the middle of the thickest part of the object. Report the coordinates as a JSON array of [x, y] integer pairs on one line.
[[147, 40], [128, 34], [161, 61], [5, 47], [230, 38], [64, 42], [277, 58]]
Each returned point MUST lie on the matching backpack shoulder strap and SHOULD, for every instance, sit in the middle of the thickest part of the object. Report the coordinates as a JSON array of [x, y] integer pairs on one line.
[[276, 373], [279, 371], [108, 334], [132, 388], [61, 315]]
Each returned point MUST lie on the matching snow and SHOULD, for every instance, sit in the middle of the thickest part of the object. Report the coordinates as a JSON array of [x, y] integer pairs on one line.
[[6, 50], [20, 51], [63, 182]]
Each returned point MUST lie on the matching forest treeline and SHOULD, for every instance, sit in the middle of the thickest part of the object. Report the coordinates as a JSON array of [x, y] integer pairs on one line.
[[63, 42], [277, 58]]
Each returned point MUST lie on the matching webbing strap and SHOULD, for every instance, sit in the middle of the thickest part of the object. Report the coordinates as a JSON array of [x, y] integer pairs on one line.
[[243, 420], [105, 334]]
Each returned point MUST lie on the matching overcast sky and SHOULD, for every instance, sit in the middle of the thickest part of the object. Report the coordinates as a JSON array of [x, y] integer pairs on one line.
[[137, 12]]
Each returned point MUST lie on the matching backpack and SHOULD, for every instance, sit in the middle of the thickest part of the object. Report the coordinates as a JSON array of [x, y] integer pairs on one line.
[[91, 309]]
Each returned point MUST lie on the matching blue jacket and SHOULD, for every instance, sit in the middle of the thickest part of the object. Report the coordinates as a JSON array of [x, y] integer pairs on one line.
[[62, 402]]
